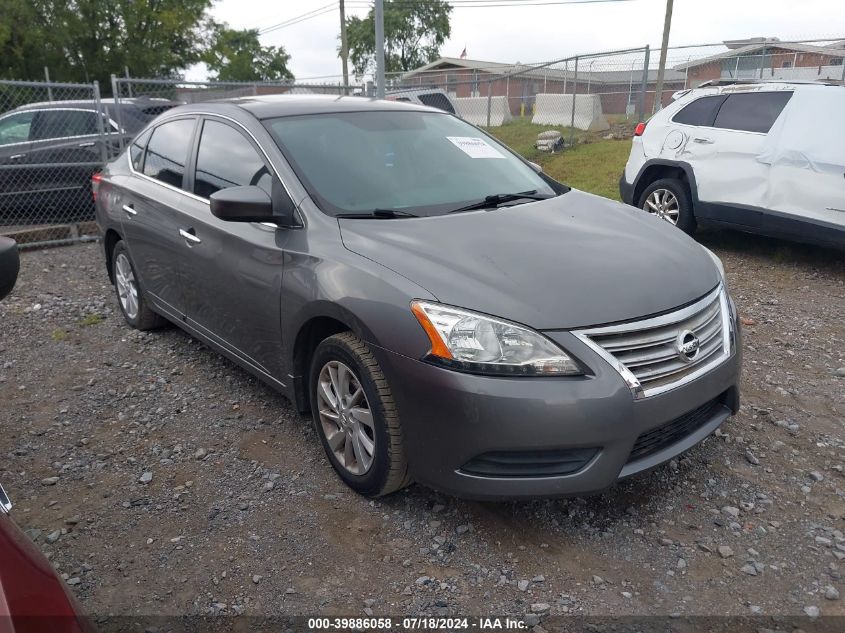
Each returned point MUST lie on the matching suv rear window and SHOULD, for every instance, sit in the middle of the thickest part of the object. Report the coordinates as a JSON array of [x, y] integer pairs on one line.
[[700, 112], [752, 111], [437, 100]]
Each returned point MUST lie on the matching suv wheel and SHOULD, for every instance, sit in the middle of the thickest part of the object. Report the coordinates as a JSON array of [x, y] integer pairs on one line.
[[669, 199], [129, 296], [356, 418]]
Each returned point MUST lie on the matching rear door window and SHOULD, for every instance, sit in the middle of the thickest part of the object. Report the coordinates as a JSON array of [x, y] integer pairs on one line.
[[700, 112], [57, 124], [167, 151], [227, 159], [752, 111]]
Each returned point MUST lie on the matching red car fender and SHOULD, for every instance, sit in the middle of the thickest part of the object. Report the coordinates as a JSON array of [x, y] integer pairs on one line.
[[32, 596]]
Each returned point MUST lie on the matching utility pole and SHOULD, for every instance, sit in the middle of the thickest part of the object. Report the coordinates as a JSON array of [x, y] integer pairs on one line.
[[380, 49], [344, 51], [661, 69]]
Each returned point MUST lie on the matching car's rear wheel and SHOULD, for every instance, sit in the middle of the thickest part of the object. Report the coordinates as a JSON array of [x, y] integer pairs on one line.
[[669, 200], [130, 298], [355, 416]]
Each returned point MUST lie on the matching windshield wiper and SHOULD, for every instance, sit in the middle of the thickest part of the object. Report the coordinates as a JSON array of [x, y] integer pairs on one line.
[[497, 199], [378, 214]]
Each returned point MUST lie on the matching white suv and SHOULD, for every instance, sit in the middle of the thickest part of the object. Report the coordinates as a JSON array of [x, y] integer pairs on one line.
[[766, 158]]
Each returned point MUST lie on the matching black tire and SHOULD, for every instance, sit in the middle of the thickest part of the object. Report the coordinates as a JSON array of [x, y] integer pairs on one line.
[[686, 217], [145, 319], [389, 469]]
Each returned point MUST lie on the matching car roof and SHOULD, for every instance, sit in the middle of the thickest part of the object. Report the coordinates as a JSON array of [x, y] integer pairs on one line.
[[90, 104], [271, 106]]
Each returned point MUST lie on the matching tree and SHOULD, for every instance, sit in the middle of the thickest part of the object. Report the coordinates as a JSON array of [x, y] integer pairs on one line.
[[84, 40], [414, 31], [238, 56]]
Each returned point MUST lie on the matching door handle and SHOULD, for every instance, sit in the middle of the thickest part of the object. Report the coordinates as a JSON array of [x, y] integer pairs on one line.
[[16, 156], [704, 140], [128, 208], [190, 237], [90, 144]]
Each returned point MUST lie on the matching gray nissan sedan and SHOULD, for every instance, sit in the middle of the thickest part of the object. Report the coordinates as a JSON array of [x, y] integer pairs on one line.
[[447, 313]]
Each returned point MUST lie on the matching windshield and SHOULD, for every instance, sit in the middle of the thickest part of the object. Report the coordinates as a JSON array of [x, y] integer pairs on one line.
[[421, 163]]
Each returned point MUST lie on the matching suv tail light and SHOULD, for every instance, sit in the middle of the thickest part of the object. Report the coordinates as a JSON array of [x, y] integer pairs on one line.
[[638, 131], [95, 184]]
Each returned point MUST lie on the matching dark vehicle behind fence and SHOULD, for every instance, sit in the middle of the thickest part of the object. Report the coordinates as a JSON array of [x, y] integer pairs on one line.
[[49, 150]]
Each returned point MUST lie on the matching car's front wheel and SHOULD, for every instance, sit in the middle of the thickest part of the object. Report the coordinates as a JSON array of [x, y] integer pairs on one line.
[[355, 416], [131, 300], [669, 200]]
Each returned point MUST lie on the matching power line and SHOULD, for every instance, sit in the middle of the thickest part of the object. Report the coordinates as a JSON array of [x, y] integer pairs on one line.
[[498, 3], [300, 18], [460, 4]]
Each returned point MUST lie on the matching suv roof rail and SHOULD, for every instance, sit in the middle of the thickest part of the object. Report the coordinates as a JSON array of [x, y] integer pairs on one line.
[[715, 83]]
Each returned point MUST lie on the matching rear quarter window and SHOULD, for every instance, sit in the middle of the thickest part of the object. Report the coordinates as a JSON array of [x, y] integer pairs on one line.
[[437, 100], [167, 151], [752, 111], [701, 112]]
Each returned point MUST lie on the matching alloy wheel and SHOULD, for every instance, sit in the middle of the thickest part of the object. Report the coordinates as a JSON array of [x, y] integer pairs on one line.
[[346, 417], [664, 204], [127, 287]]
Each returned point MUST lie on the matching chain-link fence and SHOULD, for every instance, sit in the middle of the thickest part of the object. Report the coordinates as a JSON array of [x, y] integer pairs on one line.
[[53, 137], [773, 61], [162, 94], [601, 92]]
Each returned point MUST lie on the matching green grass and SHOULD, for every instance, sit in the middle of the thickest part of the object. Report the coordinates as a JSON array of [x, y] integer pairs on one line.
[[59, 335], [92, 319], [593, 166]]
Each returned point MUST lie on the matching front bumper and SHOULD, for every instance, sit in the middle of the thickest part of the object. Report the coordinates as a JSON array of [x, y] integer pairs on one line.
[[449, 419]]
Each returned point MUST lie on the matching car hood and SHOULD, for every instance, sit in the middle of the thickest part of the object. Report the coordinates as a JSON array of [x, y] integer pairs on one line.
[[575, 260]]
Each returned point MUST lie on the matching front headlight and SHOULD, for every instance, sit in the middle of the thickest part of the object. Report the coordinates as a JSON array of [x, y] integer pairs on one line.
[[480, 344]]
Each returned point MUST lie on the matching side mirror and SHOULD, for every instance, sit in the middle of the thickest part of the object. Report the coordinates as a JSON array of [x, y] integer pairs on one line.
[[251, 204], [536, 167], [10, 265]]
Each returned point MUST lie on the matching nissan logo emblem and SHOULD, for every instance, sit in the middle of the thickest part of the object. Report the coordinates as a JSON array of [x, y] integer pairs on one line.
[[688, 346]]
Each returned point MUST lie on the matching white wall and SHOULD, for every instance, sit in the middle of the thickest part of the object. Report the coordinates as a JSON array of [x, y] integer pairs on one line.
[[552, 109], [474, 110]]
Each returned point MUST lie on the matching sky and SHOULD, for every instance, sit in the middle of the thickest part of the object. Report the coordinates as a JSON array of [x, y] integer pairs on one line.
[[547, 32]]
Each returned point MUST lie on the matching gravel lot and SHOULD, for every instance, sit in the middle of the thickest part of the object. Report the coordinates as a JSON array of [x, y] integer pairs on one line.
[[161, 479]]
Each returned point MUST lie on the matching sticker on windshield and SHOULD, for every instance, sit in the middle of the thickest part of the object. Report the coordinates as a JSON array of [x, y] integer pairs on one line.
[[475, 147]]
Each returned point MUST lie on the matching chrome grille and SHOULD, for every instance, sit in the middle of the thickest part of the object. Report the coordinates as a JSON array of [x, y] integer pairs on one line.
[[657, 354]]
